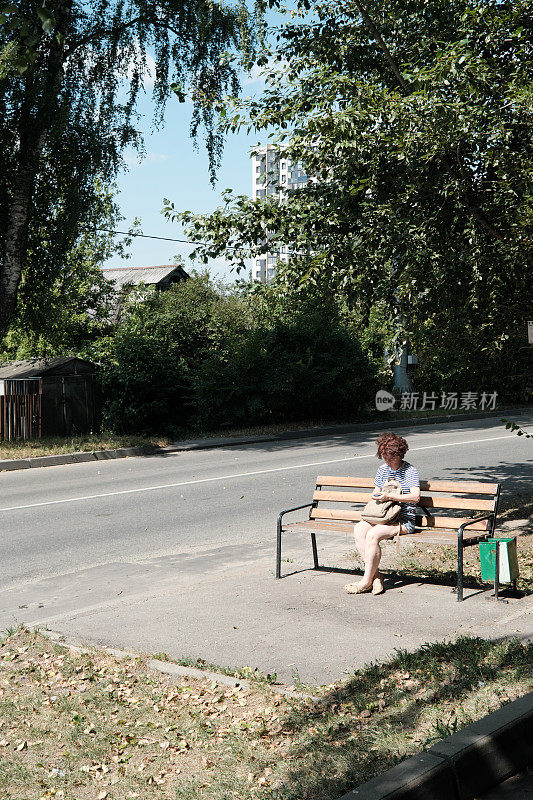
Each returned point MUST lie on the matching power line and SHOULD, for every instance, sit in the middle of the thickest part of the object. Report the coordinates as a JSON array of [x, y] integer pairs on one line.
[[169, 239], [161, 238], [146, 236]]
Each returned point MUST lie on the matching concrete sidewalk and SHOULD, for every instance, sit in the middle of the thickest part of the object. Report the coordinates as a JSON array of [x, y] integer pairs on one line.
[[224, 605]]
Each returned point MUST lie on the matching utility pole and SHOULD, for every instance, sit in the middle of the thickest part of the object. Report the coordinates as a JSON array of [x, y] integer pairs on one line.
[[402, 381]]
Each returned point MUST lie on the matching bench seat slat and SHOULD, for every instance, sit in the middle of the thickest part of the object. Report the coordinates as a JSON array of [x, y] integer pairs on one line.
[[426, 500], [422, 537], [340, 514], [459, 487]]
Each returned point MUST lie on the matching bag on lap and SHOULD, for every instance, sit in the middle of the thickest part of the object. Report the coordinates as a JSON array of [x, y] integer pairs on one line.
[[385, 513]]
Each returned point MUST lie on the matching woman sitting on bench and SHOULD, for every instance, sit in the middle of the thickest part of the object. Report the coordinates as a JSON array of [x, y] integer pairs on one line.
[[391, 449]]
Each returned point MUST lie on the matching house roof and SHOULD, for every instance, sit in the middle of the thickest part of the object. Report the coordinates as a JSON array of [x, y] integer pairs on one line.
[[37, 367], [150, 276]]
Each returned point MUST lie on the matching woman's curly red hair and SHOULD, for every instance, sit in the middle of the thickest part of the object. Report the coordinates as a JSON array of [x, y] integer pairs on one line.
[[391, 445]]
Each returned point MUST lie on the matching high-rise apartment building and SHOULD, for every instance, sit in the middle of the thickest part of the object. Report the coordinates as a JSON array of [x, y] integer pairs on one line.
[[273, 176]]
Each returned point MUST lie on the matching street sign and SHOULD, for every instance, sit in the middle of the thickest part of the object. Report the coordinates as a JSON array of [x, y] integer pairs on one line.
[[530, 331]]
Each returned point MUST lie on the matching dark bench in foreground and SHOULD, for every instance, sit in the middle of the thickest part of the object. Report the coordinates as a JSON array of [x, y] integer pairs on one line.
[[337, 504]]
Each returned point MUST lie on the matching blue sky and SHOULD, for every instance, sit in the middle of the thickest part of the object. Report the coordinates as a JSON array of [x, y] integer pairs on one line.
[[174, 169]]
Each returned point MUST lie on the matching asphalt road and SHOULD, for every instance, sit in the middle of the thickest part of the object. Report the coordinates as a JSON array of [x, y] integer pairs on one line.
[[80, 538]]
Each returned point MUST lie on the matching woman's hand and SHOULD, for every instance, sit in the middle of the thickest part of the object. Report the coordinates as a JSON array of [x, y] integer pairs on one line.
[[409, 497]]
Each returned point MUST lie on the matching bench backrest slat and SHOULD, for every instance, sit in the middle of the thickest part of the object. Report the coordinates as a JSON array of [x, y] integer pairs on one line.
[[456, 487], [427, 501], [333, 492], [356, 483]]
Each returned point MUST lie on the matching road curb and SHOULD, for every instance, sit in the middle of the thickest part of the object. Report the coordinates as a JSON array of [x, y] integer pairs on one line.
[[170, 668], [465, 765], [177, 671], [7, 465]]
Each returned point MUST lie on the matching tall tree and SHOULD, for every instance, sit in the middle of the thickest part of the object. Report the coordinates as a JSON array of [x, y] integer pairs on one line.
[[64, 301], [70, 74], [416, 118]]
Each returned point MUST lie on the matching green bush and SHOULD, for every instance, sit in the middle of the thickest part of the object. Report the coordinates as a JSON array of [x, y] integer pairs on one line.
[[201, 357], [309, 367], [457, 354], [142, 385]]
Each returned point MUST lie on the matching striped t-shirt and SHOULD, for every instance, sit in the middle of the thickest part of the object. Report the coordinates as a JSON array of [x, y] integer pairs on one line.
[[407, 477]]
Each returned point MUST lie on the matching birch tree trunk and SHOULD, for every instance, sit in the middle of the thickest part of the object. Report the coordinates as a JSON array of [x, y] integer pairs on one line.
[[33, 125]]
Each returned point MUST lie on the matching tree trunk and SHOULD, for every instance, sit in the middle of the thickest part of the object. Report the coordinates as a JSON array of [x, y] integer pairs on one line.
[[34, 123], [16, 243]]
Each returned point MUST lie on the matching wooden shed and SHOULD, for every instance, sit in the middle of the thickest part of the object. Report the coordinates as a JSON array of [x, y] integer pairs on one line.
[[48, 397]]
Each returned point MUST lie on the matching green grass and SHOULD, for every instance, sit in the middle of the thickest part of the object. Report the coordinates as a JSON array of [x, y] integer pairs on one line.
[[80, 727], [56, 445]]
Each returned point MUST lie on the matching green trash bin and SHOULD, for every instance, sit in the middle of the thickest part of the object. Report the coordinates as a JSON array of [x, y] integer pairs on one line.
[[508, 559]]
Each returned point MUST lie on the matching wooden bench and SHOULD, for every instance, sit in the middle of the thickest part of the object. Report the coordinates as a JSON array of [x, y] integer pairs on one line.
[[337, 504]]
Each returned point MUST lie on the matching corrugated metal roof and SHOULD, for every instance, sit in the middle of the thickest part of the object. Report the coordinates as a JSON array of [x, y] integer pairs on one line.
[[148, 275], [36, 367]]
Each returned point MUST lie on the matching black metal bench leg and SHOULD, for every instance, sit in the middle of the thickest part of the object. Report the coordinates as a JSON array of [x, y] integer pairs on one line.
[[315, 551], [278, 550], [460, 566]]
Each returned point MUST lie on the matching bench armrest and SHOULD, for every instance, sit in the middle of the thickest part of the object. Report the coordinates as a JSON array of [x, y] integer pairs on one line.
[[472, 521], [288, 510]]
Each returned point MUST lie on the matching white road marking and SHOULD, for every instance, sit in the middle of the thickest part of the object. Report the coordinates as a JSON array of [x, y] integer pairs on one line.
[[239, 475]]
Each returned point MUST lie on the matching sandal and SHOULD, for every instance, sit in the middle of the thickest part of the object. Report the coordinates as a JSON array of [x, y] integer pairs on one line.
[[357, 588], [377, 585]]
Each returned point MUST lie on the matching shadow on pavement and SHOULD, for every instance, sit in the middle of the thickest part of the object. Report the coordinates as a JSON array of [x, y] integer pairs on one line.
[[346, 438]]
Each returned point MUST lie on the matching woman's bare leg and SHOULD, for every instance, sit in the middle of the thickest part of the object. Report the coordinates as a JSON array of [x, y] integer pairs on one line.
[[373, 550], [360, 533]]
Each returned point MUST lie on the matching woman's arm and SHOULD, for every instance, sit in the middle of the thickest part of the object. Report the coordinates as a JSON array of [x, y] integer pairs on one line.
[[411, 497]]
